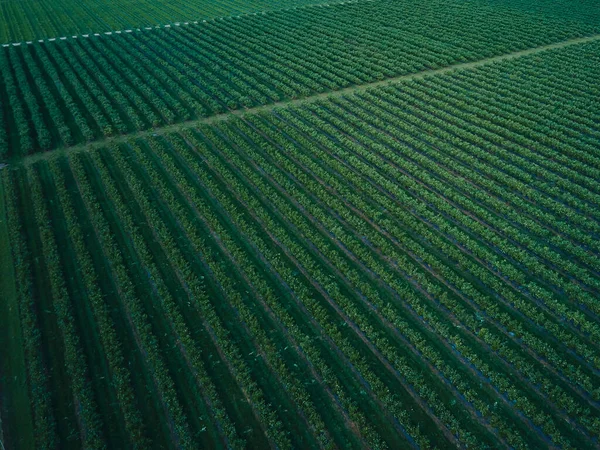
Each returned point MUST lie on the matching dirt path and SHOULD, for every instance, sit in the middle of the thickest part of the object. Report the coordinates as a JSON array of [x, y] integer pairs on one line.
[[339, 93]]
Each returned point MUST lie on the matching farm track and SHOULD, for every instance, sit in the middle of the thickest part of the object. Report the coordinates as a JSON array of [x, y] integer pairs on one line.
[[52, 154]]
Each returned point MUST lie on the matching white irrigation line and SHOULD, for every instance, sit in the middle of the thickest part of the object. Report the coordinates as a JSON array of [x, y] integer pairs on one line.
[[177, 24]]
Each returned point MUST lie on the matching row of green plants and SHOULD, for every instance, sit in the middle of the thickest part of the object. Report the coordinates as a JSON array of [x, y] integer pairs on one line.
[[45, 435], [417, 146], [30, 20], [527, 234], [520, 235], [137, 431], [112, 348], [18, 136], [568, 125], [362, 256], [558, 232], [197, 396], [164, 294], [558, 270], [256, 277], [303, 228], [164, 399], [249, 333], [563, 202], [462, 238], [288, 241], [83, 401]]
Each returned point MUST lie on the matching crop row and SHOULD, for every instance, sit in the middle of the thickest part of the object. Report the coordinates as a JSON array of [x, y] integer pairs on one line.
[[445, 273], [389, 269], [31, 19], [57, 94], [588, 13], [168, 387]]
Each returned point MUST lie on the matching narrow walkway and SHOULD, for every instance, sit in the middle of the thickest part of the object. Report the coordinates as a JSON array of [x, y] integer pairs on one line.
[[332, 94]]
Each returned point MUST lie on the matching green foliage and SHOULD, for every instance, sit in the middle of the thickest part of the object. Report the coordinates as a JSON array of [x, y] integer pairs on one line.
[[415, 264]]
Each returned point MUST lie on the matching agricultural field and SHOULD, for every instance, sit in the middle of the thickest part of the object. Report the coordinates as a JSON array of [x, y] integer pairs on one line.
[[371, 224]]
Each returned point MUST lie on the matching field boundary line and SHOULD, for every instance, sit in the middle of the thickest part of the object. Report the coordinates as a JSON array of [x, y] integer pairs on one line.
[[142, 28], [31, 159]]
